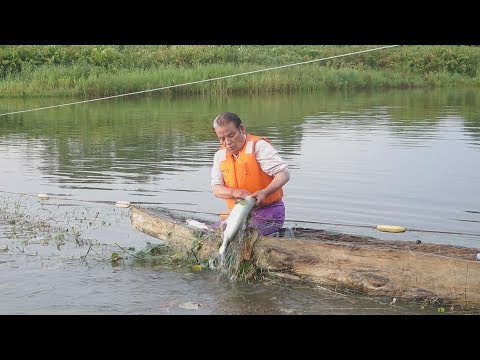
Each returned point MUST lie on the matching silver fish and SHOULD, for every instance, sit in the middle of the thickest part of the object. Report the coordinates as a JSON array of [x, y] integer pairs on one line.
[[235, 221]]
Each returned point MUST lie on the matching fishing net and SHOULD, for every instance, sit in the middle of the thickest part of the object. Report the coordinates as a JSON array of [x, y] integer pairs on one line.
[[239, 262]]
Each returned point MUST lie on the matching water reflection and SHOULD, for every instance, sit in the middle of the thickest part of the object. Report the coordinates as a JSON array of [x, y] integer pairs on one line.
[[404, 157], [396, 157]]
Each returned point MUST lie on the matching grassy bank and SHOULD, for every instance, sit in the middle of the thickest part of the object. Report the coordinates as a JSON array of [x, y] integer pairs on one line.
[[92, 71]]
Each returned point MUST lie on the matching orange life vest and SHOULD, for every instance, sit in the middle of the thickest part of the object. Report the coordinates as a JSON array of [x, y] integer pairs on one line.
[[245, 172]]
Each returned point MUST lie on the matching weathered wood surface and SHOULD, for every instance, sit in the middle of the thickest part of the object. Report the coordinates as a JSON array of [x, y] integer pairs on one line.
[[400, 269]]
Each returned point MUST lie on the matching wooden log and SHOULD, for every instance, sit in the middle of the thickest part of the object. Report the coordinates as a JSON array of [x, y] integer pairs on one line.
[[401, 269]]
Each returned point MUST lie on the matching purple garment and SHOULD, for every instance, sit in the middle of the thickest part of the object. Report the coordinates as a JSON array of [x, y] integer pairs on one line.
[[267, 219]]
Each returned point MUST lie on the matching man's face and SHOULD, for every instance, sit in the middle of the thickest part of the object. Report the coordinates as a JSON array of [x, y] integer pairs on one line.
[[231, 137]]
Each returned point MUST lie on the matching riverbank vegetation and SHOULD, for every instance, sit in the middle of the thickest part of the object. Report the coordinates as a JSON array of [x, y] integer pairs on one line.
[[91, 71]]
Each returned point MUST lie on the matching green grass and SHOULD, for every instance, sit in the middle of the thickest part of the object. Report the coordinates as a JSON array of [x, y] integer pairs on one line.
[[91, 71]]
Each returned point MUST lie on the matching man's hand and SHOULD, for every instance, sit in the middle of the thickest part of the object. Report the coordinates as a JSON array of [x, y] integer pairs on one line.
[[224, 192], [260, 195], [240, 193]]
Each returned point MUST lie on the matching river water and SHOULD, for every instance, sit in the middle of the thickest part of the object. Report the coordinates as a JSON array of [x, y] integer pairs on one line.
[[402, 157]]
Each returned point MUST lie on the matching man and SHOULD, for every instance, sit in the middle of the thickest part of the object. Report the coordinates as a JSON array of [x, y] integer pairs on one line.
[[249, 165]]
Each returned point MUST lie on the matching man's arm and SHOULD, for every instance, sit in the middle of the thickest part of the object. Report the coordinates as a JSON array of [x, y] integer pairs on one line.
[[224, 192], [272, 164], [279, 179], [218, 186]]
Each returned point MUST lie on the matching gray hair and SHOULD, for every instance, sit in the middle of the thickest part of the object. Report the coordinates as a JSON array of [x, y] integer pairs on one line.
[[225, 118]]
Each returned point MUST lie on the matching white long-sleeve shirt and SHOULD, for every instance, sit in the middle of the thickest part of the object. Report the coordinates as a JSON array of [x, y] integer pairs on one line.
[[268, 159]]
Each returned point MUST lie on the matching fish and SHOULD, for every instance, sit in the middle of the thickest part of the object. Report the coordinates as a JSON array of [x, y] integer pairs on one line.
[[235, 221], [198, 225]]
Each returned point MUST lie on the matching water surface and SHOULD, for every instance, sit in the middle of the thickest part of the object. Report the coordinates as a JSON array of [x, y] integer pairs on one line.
[[406, 158]]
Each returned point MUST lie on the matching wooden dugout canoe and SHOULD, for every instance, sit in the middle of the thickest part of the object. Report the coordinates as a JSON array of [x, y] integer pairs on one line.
[[402, 269]]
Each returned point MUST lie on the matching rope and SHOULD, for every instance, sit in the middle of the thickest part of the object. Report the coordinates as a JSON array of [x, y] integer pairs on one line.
[[257, 218], [322, 223], [198, 81]]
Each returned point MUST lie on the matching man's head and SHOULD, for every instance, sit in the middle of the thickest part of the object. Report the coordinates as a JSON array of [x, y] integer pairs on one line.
[[230, 131]]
